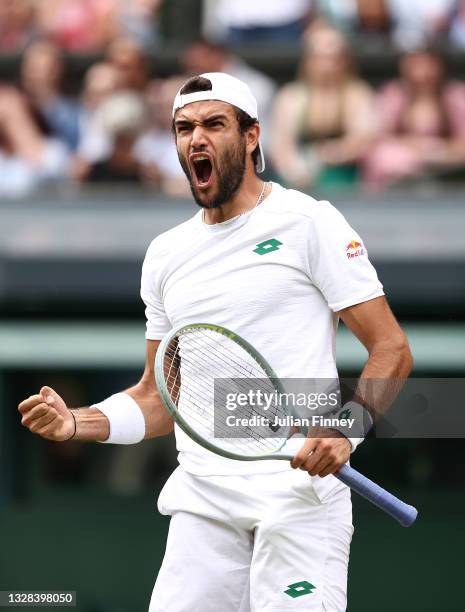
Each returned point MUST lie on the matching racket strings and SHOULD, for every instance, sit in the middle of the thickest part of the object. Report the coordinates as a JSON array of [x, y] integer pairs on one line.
[[173, 361], [223, 431], [225, 358], [201, 409], [225, 372], [221, 388], [225, 375], [192, 362], [190, 387]]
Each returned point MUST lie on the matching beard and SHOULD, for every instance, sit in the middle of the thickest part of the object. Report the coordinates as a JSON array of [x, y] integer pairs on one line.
[[230, 170]]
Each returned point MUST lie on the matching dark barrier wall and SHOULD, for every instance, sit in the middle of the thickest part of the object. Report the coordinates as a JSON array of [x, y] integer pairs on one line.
[[83, 517], [82, 255]]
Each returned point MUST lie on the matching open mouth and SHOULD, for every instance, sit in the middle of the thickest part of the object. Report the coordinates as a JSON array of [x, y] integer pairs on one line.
[[203, 170]]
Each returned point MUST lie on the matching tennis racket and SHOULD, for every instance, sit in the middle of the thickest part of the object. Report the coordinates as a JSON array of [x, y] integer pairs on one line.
[[198, 366]]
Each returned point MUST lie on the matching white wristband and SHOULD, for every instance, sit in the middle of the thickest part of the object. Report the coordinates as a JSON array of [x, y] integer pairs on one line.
[[127, 423], [360, 423], [354, 442]]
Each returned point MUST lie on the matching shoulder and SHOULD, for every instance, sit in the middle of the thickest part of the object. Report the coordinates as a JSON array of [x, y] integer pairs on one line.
[[291, 201], [316, 226], [166, 243]]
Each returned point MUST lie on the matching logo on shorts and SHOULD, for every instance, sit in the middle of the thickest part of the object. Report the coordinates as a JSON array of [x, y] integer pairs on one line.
[[354, 249], [300, 588], [268, 246]]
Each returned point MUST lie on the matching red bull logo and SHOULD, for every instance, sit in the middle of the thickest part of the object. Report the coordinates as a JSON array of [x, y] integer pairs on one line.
[[354, 249]]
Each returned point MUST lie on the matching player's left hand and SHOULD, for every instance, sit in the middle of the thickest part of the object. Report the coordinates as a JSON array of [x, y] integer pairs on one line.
[[324, 455]]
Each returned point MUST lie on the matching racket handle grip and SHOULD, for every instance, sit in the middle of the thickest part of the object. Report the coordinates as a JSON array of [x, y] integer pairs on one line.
[[378, 496]]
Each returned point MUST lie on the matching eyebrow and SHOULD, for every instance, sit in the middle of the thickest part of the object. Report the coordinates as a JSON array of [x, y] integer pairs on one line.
[[211, 119]]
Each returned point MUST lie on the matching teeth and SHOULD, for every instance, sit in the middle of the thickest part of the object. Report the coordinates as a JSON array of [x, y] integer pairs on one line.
[[201, 158]]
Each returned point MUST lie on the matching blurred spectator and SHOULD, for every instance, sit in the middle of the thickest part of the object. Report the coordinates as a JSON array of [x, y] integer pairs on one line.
[[156, 148], [122, 118], [323, 123], [341, 14], [202, 56], [27, 158], [373, 16], [417, 20], [367, 16], [423, 121], [126, 69], [409, 21], [17, 24], [457, 24], [138, 20], [77, 25], [42, 71], [101, 81], [246, 22], [129, 59]]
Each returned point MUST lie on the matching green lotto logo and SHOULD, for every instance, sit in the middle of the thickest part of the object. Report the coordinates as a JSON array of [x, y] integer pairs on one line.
[[345, 414], [268, 246], [298, 589]]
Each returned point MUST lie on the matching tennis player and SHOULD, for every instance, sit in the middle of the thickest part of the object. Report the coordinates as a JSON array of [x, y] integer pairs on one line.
[[280, 269]]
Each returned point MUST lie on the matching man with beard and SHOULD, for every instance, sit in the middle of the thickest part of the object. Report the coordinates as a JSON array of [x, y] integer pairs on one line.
[[279, 268]]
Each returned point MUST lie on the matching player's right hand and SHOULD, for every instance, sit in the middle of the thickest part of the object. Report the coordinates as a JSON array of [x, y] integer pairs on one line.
[[47, 415]]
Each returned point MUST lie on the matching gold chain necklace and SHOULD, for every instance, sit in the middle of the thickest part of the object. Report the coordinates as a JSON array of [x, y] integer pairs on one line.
[[261, 197]]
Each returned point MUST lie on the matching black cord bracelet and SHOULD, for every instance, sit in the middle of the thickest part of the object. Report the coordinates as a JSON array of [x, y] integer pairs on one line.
[[75, 427]]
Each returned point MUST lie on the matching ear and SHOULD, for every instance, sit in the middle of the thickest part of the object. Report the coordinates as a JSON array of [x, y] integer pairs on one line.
[[252, 138]]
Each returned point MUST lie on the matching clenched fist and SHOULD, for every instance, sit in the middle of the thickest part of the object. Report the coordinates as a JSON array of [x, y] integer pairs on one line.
[[46, 414]]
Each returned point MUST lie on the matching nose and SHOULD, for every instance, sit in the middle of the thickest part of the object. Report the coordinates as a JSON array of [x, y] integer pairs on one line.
[[199, 137]]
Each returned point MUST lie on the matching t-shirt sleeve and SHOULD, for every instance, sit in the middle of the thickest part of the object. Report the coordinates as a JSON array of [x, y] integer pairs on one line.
[[338, 261], [157, 322]]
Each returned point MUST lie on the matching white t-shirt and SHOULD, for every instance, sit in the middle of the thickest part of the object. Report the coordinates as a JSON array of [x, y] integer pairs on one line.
[[282, 299]]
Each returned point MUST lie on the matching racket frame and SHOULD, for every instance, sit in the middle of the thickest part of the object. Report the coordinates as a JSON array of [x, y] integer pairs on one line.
[[172, 408], [404, 513]]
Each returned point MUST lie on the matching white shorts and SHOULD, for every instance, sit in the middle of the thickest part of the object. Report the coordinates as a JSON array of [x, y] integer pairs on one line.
[[256, 543]]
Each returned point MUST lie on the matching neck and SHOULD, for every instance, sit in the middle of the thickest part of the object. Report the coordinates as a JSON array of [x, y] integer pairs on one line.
[[244, 200]]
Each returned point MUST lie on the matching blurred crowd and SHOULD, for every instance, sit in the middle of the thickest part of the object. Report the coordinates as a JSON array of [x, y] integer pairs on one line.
[[327, 129], [405, 22], [77, 25], [89, 25], [330, 129]]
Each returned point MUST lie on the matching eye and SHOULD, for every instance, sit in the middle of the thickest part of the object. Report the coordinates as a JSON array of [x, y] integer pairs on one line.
[[216, 123]]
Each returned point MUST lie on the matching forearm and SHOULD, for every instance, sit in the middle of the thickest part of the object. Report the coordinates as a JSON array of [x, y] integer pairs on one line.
[[93, 425], [345, 150], [383, 377], [19, 127], [389, 358], [290, 164]]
